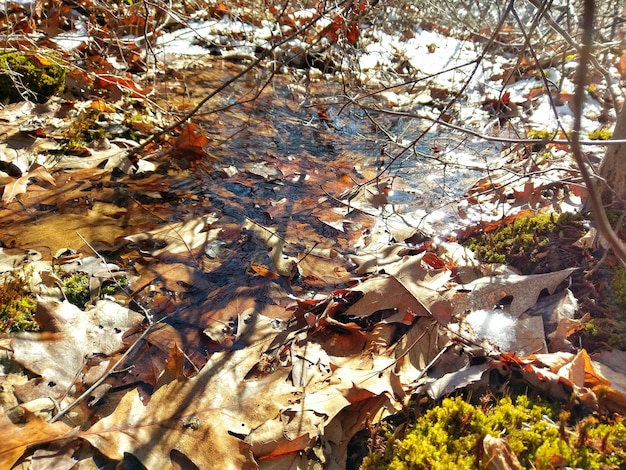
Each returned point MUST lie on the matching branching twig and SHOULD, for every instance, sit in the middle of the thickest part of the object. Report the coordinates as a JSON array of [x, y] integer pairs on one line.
[[595, 199], [451, 103], [262, 56], [106, 375], [104, 262], [546, 83], [120, 361], [489, 138], [587, 24]]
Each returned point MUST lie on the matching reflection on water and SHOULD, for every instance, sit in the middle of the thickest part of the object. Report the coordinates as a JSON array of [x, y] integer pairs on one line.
[[334, 145]]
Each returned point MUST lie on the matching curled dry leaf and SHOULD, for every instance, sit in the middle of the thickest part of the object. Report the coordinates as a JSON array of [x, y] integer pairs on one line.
[[498, 454], [284, 265], [19, 186], [598, 384]]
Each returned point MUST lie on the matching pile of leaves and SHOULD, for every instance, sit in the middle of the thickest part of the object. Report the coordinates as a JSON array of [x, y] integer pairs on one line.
[[292, 387]]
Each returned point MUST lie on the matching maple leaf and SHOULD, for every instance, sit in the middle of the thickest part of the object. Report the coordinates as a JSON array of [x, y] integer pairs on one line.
[[191, 143], [120, 84]]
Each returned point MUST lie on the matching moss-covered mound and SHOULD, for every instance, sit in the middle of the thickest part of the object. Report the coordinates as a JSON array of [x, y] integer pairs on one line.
[[29, 77], [524, 244], [452, 436]]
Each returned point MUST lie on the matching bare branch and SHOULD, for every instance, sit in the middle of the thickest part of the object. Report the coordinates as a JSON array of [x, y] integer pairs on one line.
[[597, 209]]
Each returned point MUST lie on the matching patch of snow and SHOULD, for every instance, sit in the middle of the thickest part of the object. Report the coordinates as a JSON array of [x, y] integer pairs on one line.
[[495, 326], [74, 38], [543, 115]]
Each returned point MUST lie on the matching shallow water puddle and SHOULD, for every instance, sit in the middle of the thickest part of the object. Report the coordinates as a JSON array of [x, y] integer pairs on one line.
[[236, 225]]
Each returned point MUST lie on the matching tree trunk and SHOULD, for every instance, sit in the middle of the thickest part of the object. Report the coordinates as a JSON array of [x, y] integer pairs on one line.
[[613, 168]]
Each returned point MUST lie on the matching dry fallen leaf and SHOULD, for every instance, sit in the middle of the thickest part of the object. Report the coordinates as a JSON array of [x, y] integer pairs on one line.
[[14, 440], [19, 186], [191, 143], [521, 291], [284, 265], [244, 406], [96, 331], [498, 454], [177, 238], [596, 383], [202, 417], [384, 293]]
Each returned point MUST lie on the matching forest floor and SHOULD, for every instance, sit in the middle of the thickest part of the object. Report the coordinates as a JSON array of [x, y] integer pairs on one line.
[[267, 279]]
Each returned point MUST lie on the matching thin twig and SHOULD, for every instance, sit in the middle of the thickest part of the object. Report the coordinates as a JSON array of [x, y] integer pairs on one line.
[[488, 138], [262, 56], [527, 42], [451, 103], [587, 23], [106, 375], [146, 312], [598, 212]]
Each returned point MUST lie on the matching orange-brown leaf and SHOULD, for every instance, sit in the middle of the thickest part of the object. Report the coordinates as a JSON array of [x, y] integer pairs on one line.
[[263, 271], [621, 65], [353, 33], [109, 81], [434, 261], [15, 439], [191, 142]]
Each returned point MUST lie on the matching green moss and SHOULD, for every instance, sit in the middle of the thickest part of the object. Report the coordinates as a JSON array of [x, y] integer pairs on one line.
[[618, 284], [600, 134], [520, 243], [88, 127], [17, 305], [540, 134], [26, 76], [138, 122], [76, 288], [83, 130], [616, 327], [450, 436]]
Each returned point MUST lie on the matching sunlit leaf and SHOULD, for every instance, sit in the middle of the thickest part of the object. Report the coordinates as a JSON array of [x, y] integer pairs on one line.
[[19, 186], [14, 440], [191, 143], [80, 334]]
